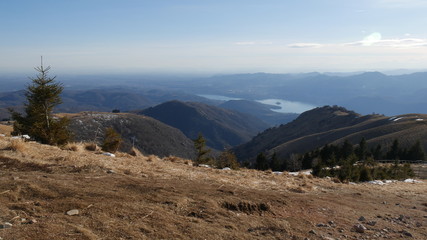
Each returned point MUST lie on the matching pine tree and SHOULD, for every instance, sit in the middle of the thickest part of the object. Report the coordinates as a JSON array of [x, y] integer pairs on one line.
[[275, 163], [112, 141], [361, 150], [227, 159], [43, 94], [393, 154], [200, 145], [416, 152], [261, 162]]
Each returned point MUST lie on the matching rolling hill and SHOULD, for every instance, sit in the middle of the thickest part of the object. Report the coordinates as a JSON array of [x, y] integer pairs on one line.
[[221, 128], [325, 125], [147, 134]]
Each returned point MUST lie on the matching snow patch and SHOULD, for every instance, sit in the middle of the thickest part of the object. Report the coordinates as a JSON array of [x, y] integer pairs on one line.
[[204, 165], [226, 168], [410, 180], [419, 119], [109, 154], [397, 119]]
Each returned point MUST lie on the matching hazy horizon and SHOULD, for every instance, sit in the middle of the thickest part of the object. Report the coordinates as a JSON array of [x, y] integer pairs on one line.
[[213, 37]]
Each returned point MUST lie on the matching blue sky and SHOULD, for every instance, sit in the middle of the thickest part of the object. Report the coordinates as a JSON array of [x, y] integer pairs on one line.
[[213, 36]]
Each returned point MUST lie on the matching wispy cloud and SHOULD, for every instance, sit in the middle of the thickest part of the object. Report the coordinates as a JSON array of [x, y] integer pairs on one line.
[[372, 40], [393, 43], [305, 45]]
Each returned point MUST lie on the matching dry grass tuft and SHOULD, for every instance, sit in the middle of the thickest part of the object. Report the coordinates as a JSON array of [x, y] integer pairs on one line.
[[17, 145], [91, 146], [135, 152], [152, 158], [75, 147]]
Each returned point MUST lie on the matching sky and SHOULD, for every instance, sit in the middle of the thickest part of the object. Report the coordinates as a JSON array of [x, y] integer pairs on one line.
[[213, 36]]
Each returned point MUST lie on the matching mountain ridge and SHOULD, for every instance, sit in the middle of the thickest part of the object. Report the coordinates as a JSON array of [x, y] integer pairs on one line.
[[221, 128]]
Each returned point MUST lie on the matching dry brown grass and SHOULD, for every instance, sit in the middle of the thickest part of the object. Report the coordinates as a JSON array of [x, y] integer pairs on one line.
[[91, 146], [5, 129], [17, 145], [75, 147], [135, 152], [145, 197]]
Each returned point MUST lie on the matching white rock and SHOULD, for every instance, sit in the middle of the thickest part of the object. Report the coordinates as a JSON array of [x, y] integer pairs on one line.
[[109, 154], [359, 228], [226, 168], [26, 137], [73, 212], [204, 165]]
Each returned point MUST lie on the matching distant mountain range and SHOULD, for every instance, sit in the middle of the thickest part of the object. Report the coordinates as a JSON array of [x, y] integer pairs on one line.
[[325, 125], [147, 134], [220, 127], [366, 93]]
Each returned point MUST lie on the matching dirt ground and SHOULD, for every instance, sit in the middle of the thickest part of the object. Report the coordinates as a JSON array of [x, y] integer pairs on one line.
[[145, 197]]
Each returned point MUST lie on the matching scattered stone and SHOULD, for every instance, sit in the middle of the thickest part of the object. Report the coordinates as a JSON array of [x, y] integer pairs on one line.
[[371, 223], [15, 178], [322, 225], [384, 202], [328, 238], [362, 219], [312, 232], [110, 171], [406, 233], [359, 228], [144, 175], [73, 212], [418, 224], [6, 225]]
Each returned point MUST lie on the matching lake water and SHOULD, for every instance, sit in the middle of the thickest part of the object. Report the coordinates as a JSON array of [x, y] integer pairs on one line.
[[281, 105]]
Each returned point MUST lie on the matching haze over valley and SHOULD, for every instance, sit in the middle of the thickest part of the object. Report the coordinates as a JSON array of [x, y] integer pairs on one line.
[[213, 119]]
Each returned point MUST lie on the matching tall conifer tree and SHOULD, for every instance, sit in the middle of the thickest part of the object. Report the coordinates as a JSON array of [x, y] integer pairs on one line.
[[43, 94]]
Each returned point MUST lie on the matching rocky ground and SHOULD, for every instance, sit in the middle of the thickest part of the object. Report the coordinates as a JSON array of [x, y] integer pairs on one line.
[[52, 193]]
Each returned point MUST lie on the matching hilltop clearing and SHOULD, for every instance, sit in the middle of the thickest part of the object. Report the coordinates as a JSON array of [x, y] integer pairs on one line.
[[147, 197]]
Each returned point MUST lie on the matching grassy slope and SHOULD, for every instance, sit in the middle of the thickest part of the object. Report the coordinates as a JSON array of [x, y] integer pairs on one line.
[[152, 198]]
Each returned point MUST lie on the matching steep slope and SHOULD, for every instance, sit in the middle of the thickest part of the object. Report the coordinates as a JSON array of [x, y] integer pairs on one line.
[[259, 110], [220, 127], [327, 124], [147, 134]]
